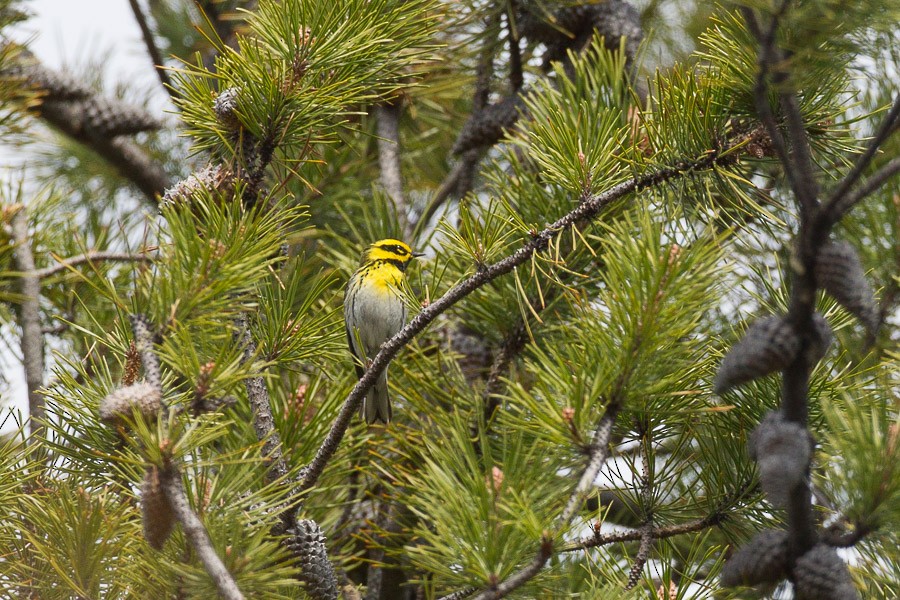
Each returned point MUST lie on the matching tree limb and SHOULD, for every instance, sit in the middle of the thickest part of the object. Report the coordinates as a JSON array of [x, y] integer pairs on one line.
[[589, 209], [90, 257], [387, 122], [32, 340], [196, 534]]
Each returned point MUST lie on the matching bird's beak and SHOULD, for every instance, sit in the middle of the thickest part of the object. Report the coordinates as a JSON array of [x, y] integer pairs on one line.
[[417, 254]]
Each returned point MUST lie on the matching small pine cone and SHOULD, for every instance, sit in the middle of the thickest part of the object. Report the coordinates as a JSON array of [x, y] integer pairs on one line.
[[486, 127], [122, 402], [820, 574], [225, 107], [839, 272], [768, 346], [782, 450], [143, 341], [762, 560], [157, 516], [211, 178], [308, 545]]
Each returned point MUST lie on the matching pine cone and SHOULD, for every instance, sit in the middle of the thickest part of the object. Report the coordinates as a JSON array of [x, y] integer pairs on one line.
[[225, 106], [111, 119], [820, 574], [156, 512], [782, 450], [768, 346], [762, 560], [122, 402], [211, 178], [839, 272], [308, 545]]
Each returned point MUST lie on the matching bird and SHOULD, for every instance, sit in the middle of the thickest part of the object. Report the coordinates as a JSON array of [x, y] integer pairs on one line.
[[374, 312]]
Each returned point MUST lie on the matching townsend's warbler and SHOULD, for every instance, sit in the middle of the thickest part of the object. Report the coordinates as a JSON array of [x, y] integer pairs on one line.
[[373, 313]]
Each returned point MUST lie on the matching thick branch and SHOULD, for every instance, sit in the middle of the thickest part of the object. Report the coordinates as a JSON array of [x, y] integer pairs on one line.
[[91, 257], [589, 209], [196, 534], [30, 318], [387, 120]]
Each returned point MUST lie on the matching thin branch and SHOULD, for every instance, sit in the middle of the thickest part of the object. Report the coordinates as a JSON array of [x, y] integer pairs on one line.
[[589, 209], [91, 257], [870, 185], [32, 340], [836, 205], [460, 594], [512, 345], [520, 577], [599, 452], [196, 534], [152, 48], [634, 535]]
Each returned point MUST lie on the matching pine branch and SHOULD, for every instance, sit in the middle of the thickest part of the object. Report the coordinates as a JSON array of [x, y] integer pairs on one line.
[[196, 534], [152, 49], [91, 257], [32, 340], [716, 517], [587, 210], [97, 122]]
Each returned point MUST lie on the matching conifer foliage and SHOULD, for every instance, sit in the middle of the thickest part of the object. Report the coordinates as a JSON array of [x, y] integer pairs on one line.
[[652, 347]]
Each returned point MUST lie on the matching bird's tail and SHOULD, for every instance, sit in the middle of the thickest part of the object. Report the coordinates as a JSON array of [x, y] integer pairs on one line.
[[377, 404]]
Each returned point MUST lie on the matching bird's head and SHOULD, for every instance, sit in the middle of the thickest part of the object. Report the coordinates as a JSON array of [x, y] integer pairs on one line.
[[391, 251]]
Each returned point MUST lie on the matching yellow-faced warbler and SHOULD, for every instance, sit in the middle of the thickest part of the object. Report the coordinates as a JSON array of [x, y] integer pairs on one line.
[[374, 312]]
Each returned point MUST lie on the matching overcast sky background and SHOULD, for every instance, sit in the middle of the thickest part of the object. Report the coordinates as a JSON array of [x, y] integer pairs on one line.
[[65, 34]]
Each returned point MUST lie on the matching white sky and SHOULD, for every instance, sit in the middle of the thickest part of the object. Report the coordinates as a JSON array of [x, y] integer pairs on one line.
[[65, 33]]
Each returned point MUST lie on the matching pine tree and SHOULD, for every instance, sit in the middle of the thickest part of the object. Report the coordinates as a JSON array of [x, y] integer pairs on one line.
[[653, 343]]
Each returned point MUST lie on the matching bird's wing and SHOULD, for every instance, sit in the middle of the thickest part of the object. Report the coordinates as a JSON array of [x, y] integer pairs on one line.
[[359, 359]]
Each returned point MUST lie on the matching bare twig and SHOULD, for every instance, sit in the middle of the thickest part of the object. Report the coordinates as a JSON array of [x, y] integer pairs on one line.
[[152, 48], [32, 340], [589, 209], [90, 257], [196, 534], [599, 452], [870, 185], [837, 204], [512, 345]]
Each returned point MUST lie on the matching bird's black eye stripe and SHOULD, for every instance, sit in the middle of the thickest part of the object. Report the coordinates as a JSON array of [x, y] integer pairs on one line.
[[398, 250]]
